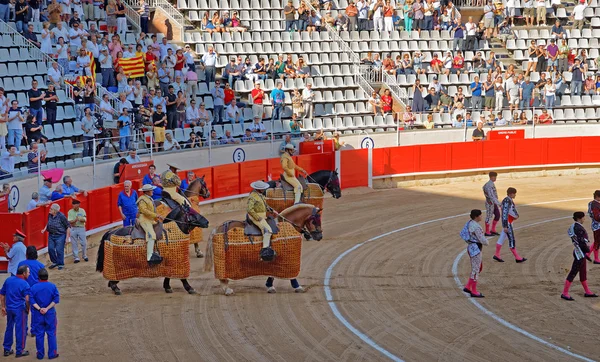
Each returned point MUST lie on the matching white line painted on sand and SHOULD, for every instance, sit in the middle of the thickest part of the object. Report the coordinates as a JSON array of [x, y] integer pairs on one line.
[[363, 336], [504, 322]]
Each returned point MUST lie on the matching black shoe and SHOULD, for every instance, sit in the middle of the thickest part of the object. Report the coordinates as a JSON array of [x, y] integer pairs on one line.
[[522, 260], [466, 290], [596, 262], [24, 354], [86, 259], [477, 295], [566, 298], [498, 259], [52, 266], [591, 295], [54, 356], [76, 261], [155, 259], [488, 234], [8, 352], [495, 233]]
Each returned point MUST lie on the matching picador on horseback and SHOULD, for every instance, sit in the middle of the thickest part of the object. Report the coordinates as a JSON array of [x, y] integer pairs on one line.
[[289, 168], [171, 182], [257, 213], [147, 219]]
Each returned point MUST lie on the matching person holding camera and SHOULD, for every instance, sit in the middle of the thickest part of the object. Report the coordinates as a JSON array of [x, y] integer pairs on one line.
[[124, 125], [87, 125]]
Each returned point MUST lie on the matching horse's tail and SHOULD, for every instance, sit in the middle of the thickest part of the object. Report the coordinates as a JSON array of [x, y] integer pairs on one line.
[[208, 258], [100, 258]]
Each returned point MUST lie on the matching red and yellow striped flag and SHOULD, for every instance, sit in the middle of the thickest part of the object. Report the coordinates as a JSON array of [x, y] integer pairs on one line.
[[133, 67], [92, 65], [80, 81]]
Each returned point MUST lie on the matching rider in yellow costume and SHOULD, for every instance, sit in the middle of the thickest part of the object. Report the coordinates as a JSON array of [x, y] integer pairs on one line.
[[257, 210], [170, 182], [289, 168], [147, 219]]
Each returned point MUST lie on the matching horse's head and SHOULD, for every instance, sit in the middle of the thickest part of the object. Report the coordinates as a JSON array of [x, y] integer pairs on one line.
[[194, 218], [312, 225], [204, 192], [333, 185]]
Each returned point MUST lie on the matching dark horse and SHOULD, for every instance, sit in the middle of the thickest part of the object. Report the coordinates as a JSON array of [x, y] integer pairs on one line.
[[197, 188], [327, 179], [186, 218]]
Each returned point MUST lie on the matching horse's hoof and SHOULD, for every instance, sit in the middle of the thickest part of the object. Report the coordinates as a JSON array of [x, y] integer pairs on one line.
[[118, 292], [228, 291], [168, 290], [191, 291], [300, 290], [271, 290], [199, 254]]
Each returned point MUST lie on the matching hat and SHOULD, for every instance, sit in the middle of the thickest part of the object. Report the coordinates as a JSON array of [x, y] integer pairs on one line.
[[172, 165], [259, 185], [48, 179], [290, 146], [19, 233], [147, 187], [75, 202]]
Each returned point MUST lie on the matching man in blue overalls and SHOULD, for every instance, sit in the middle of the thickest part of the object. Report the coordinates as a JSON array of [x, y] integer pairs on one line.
[[44, 297], [14, 299], [34, 267]]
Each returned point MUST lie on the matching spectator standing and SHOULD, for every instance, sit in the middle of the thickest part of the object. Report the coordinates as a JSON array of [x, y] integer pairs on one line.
[[218, 102], [44, 298], [579, 14], [14, 299], [33, 157], [118, 169], [209, 62], [471, 29], [377, 10], [277, 99], [77, 218], [290, 16], [476, 90], [21, 9], [526, 93], [124, 125], [59, 230], [36, 96], [127, 203], [577, 71], [51, 99], [15, 253], [363, 14], [308, 97], [159, 121], [171, 100], [8, 160], [89, 133], [352, 14], [489, 94], [258, 96]]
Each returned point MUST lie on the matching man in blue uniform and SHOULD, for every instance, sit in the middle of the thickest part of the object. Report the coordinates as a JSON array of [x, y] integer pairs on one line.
[[147, 180], [34, 267], [44, 297], [14, 299], [127, 203], [16, 253]]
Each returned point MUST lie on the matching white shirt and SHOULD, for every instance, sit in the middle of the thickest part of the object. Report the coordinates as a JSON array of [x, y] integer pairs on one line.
[[191, 113], [64, 32], [108, 64], [133, 160], [258, 129], [471, 28], [32, 204], [15, 123], [308, 95], [171, 145], [7, 162], [128, 54], [541, 3], [104, 107], [77, 41], [500, 122], [528, 4], [163, 49], [231, 111], [54, 74], [377, 13], [363, 9], [578, 11], [127, 104], [93, 48]]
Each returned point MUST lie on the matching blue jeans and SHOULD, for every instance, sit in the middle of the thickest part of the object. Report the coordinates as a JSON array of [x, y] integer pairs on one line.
[[129, 220], [4, 12], [143, 24], [526, 103], [108, 77], [20, 26], [124, 143], [289, 24], [56, 248], [549, 102], [277, 111], [428, 23], [38, 114], [576, 87], [14, 137], [270, 281], [16, 322], [88, 146], [218, 114]]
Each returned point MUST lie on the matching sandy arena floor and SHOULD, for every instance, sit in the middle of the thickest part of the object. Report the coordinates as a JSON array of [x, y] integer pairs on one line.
[[399, 290]]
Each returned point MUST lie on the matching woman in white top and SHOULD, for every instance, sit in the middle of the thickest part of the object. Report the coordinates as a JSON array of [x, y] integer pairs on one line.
[[138, 93], [499, 91], [62, 54], [46, 46], [550, 93]]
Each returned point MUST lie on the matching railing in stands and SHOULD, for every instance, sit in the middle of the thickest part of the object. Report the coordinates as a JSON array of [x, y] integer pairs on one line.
[[177, 18], [133, 16], [397, 92], [22, 42], [112, 99]]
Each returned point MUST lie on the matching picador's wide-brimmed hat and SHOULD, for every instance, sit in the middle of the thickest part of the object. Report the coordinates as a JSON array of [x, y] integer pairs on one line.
[[172, 165], [290, 146], [259, 185], [147, 187]]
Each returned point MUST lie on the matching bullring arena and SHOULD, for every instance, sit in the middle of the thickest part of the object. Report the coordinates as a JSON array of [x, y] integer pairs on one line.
[[382, 284]]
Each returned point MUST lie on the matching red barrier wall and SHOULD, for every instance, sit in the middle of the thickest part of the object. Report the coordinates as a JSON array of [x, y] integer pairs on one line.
[[100, 207], [353, 168], [226, 180], [251, 171]]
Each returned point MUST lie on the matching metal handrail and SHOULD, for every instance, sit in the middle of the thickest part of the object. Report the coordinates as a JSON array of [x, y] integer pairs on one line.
[[177, 18], [133, 16], [22, 42], [397, 91]]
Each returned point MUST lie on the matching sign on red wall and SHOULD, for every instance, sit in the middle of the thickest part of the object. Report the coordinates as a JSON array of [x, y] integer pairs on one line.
[[506, 134]]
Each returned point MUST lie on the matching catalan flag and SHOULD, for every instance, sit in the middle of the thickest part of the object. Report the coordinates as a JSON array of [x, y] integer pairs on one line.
[[92, 65], [79, 81], [133, 67]]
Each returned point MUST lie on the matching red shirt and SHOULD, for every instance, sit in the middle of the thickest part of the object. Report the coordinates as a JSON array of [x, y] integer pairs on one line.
[[150, 59], [229, 95], [435, 62], [256, 92], [545, 118], [458, 62], [387, 103], [179, 63]]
